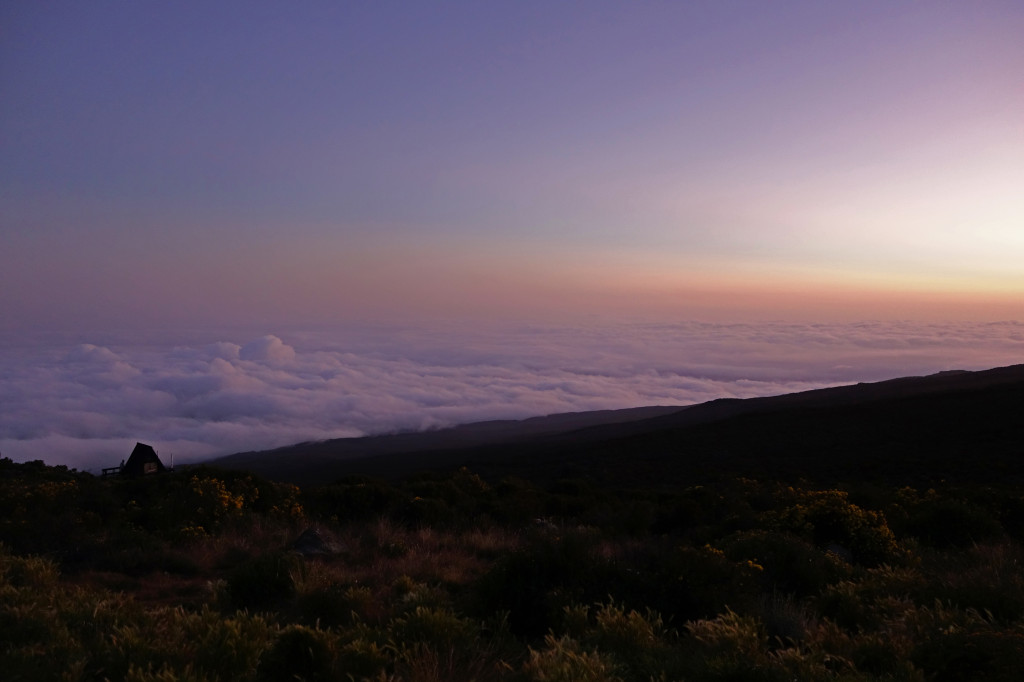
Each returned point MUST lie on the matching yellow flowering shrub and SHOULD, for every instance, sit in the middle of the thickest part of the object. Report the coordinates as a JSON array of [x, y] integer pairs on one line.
[[829, 520]]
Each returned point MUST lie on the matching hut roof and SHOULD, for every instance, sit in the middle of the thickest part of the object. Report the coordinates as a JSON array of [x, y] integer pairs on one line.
[[142, 461]]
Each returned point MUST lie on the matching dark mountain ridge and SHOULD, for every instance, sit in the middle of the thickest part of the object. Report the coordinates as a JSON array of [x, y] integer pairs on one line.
[[955, 424], [278, 463]]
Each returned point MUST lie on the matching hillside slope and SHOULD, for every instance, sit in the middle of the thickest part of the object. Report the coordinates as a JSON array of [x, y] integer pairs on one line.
[[952, 424]]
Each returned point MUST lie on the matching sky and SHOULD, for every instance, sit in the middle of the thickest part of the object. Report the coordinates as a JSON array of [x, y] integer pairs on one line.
[[179, 176]]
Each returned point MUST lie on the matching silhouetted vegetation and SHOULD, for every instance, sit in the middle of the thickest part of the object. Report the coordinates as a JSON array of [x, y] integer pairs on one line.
[[190, 576]]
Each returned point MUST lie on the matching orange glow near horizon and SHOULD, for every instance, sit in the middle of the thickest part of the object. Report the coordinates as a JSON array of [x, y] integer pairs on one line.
[[423, 280]]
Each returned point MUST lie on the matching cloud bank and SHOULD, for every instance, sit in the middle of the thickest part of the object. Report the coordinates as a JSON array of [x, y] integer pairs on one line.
[[85, 404]]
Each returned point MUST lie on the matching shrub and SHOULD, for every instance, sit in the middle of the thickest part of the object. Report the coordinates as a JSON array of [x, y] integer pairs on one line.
[[534, 584], [224, 648], [879, 594], [356, 499], [784, 617], [562, 660], [875, 653], [639, 643], [138, 674], [262, 582], [435, 626], [337, 605], [987, 578], [300, 653], [944, 522], [790, 564], [976, 653], [142, 560], [730, 633], [734, 647], [827, 518], [628, 630], [689, 582], [416, 595], [427, 511], [437, 644], [362, 659], [514, 501], [32, 572]]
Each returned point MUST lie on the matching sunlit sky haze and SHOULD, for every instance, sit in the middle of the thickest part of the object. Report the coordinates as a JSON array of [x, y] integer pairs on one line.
[[253, 162]]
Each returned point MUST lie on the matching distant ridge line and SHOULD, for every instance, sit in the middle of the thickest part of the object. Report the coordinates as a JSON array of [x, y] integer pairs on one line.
[[651, 431]]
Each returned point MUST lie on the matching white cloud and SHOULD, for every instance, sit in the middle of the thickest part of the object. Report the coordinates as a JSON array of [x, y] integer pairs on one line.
[[86, 405], [265, 349]]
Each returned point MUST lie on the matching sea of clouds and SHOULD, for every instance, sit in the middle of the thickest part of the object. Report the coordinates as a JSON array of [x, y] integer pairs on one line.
[[85, 401]]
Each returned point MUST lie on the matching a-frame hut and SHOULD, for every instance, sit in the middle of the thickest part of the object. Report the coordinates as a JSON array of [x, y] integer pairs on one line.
[[142, 462]]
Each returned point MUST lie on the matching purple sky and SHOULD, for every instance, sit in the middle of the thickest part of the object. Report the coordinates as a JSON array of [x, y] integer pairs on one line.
[[261, 162], [175, 175]]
